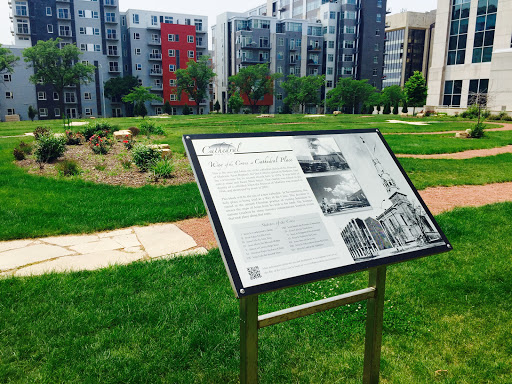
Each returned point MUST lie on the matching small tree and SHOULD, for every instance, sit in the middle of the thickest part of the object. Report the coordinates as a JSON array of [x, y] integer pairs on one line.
[[253, 82], [387, 109], [235, 102], [404, 106], [303, 91], [56, 66], [195, 79], [350, 95], [167, 107], [416, 90], [138, 96], [186, 110], [32, 112], [216, 106], [118, 87], [395, 108]]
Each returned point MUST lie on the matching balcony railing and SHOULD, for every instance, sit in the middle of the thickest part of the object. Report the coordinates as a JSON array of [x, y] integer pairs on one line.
[[157, 87], [314, 48], [313, 62], [63, 17], [113, 52], [155, 72], [254, 60], [114, 70], [109, 3], [155, 41], [155, 56], [112, 36], [65, 34], [255, 45], [110, 19]]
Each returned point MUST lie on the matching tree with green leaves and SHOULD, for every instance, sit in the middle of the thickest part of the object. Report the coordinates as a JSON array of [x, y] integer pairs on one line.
[[140, 95], [216, 106], [387, 109], [392, 95], [195, 79], [303, 91], [57, 67], [416, 90], [350, 95], [32, 112], [139, 109], [235, 102], [253, 82], [7, 60], [118, 87], [186, 110], [167, 107]]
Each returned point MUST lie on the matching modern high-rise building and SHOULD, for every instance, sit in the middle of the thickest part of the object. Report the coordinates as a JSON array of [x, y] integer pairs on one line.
[[408, 46], [347, 40], [472, 55], [134, 42]]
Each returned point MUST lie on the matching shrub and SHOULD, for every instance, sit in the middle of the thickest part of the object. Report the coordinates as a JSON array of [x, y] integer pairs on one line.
[[494, 117], [26, 148], [41, 131], [477, 131], [32, 112], [18, 154], [134, 130], [404, 107], [74, 138], [144, 157], [186, 110], [395, 108], [127, 164], [98, 128], [472, 112], [149, 128], [49, 148], [128, 142], [162, 168], [140, 109], [100, 145], [387, 109], [68, 168]]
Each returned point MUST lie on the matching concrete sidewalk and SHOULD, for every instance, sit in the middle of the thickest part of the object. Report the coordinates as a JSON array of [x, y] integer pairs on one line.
[[93, 251]]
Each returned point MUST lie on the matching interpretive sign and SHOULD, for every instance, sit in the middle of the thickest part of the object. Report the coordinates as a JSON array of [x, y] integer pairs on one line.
[[293, 207]]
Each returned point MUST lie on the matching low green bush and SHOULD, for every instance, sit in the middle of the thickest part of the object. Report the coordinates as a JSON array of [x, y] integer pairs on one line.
[[149, 128], [144, 157], [49, 148], [25, 147], [41, 131], [68, 168], [162, 169], [73, 138], [477, 131], [100, 145], [18, 154], [472, 112], [99, 128]]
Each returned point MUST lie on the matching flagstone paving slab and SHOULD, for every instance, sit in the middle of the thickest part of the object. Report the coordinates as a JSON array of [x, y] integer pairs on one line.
[[32, 254], [66, 241], [8, 245], [90, 261], [160, 240], [117, 232], [127, 241], [97, 246]]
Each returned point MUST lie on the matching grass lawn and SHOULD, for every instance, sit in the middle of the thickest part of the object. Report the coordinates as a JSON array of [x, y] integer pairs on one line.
[[176, 321], [33, 206]]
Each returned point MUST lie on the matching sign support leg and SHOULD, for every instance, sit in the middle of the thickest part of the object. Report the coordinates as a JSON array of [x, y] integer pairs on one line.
[[374, 321], [249, 340]]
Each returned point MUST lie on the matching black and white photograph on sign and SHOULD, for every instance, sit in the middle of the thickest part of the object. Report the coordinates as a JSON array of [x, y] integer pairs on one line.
[[398, 222], [338, 193], [318, 154]]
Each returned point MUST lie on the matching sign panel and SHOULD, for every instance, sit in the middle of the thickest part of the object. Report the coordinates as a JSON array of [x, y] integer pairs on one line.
[[289, 208]]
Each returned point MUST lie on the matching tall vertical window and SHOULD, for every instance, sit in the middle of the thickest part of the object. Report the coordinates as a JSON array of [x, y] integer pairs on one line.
[[478, 89], [452, 92], [484, 30], [458, 32]]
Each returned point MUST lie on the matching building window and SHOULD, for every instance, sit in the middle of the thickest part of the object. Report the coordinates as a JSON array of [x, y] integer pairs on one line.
[[332, 15], [348, 44], [172, 68], [376, 47], [7, 77], [69, 97], [88, 111], [280, 42], [154, 20], [330, 57], [110, 17], [190, 39], [350, 29], [56, 96], [138, 67], [11, 111], [135, 18], [48, 11], [49, 28], [348, 57], [377, 32], [62, 13], [348, 70], [374, 72], [332, 29], [172, 82], [190, 54], [97, 48], [87, 96], [172, 97], [379, 17], [137, 51], [375, 59], [9, 95], [136, 36], [56, 112], [452, 93], [279, 96], [43, 112], [21, 8], [478, 89], [23, 27], [484, 30], [172, 53], [329, 84], [65, 30], [330, 70], [330, 44], [166, 19], [41, 95], [458, 32]]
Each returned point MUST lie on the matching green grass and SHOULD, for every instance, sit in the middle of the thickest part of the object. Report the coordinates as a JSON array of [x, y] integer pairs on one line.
[[176, 321], [429, 144], [34, 206], [448, 172]]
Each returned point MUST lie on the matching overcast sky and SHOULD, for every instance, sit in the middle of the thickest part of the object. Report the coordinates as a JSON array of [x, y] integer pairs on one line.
[[210, 8]]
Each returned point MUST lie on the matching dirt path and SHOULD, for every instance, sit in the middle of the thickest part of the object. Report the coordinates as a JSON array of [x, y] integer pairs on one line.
[[463, 155], [438, 199]]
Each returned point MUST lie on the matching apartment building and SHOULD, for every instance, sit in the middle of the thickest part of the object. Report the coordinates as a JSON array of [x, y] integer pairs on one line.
[[408, 46], [116, 43], [472, 54]]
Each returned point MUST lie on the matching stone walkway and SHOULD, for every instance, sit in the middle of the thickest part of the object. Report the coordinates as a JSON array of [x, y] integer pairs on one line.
[[93, 251]]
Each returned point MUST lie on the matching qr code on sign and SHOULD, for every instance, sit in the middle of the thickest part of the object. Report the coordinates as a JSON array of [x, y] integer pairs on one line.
[[254, 272]]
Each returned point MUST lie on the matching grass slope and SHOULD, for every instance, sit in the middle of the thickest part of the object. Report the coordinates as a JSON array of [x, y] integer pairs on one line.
[[176, 321]]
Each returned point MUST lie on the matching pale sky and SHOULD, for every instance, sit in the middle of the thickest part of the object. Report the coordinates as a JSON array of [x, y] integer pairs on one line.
[[210, 8]]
